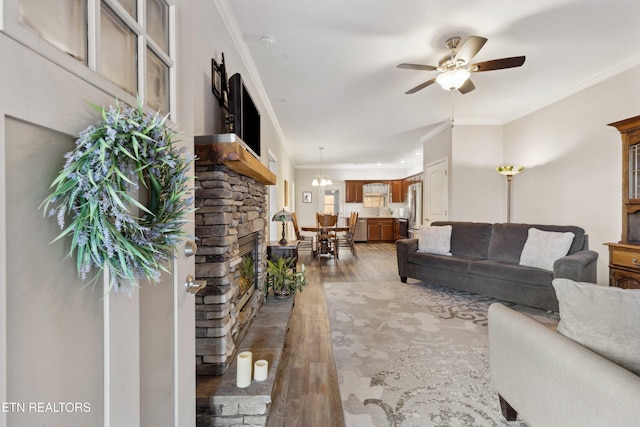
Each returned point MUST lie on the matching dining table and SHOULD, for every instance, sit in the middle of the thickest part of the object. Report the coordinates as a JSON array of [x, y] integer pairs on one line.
[[323, 247]]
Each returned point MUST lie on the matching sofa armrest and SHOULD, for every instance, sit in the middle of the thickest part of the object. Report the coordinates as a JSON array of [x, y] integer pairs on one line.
[[580, 267], [551, 380], [403, 248]]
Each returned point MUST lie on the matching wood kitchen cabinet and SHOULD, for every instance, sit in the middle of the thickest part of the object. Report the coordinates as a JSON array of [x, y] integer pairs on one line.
[[380, 229], [398, 191], [353, 191], [624, 257]]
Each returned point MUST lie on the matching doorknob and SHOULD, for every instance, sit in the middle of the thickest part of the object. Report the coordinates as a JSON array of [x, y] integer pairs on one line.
[[193, 286]]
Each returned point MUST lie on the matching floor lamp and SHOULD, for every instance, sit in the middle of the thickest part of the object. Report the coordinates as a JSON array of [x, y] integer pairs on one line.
[[509, 171]]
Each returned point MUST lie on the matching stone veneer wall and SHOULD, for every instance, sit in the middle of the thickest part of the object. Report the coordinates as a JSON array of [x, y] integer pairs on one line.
[[230, 206]]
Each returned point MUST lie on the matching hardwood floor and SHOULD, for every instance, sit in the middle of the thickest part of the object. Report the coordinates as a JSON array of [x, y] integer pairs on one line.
[[306, 390]]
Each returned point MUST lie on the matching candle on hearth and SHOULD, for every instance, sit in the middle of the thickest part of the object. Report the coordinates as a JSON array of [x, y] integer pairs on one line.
[[260, 370], [243, 378]]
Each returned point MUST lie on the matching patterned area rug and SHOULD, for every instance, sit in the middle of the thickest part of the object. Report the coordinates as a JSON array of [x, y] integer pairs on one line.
[[414, 354]]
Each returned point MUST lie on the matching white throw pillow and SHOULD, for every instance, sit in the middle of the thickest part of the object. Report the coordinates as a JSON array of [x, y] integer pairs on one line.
[[542, 248], [435, 239], [604, 319]]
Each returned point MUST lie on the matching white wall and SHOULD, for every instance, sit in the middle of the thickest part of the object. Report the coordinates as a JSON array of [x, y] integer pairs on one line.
[[213, 39], [572, 164], [477, 191], [573, 161]]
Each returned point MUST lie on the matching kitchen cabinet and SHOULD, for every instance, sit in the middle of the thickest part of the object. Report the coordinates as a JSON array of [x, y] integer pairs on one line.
[[380, 229], [401, 229], [353, 191], [398, 191]]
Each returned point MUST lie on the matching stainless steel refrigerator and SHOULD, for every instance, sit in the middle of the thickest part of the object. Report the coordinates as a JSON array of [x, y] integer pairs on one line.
[[414, 204]]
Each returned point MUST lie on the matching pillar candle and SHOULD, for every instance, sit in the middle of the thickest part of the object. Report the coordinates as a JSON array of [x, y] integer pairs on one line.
[[243, 378], [260, 370]]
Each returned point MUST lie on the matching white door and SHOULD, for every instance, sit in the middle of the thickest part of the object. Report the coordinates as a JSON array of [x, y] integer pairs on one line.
[[111, 359], [330, 200], [437, 191]]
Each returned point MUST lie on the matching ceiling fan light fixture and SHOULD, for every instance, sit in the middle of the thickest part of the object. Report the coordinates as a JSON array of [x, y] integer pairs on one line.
[[453, 79]]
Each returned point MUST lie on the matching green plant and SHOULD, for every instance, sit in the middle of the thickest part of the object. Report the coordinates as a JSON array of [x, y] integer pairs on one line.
[[282, 279], [93, 196], [247, 270]]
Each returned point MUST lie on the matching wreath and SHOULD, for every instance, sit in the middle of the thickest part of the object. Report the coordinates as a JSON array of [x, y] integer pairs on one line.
[[127, 149]]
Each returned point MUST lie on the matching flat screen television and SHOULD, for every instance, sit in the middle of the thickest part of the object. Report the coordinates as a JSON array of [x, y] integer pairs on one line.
[[245, 116]]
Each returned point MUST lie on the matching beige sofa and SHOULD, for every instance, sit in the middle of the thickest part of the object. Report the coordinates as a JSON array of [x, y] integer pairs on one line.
[[550, 380]]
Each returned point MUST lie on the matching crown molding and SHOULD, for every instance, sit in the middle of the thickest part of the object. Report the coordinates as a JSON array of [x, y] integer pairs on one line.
[[610, 72], [231, 23]]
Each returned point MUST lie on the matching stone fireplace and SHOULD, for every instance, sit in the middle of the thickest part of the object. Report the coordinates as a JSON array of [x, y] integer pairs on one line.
[[231, 222]]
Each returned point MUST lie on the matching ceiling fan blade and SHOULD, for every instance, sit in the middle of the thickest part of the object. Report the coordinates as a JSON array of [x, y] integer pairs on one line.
[[497, 64], [470, 48], [467, 87], [420, 87], [417, 67]]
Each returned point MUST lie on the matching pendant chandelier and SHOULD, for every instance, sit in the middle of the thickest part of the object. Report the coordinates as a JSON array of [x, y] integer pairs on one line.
[[322, 179]]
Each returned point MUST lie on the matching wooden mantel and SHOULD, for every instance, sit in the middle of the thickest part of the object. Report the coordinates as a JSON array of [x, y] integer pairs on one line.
[[228, 150]]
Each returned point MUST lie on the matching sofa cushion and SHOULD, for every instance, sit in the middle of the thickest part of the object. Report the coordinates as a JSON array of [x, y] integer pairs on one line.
[[451, 263], [470, 239], [602, 318], [543, 248], [435, 239], [507, 240], [511, 272]]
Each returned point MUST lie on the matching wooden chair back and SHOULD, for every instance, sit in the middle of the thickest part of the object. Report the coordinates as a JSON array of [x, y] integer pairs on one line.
[[353, 223], [299, 236], [327, 220]]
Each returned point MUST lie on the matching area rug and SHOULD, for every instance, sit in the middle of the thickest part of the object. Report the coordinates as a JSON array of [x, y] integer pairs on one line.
[[414, 354]]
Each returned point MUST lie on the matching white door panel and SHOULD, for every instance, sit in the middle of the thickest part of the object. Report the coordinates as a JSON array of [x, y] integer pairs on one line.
[[437, 189]]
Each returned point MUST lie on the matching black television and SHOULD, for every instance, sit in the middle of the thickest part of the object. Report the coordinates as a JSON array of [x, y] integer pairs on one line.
[[245, 117]]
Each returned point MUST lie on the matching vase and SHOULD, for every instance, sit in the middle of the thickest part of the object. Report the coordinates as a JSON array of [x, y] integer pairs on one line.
[[282, 294]]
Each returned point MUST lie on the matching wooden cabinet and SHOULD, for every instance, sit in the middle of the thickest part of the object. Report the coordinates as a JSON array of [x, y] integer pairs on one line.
[[624, 265], [624, 257], [353, 191], [380, 229], [398, 187], [398, 190]]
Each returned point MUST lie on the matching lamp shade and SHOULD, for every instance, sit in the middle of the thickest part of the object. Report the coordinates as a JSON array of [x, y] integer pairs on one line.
[[509, 170], [453, 79], [282, 216]]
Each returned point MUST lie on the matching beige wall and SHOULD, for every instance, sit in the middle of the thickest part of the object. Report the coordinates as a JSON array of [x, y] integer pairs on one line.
[[478, 192], [573, 161], [572, 164], [212, 40]]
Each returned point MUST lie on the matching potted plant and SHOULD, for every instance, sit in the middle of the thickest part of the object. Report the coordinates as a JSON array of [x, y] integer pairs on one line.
[[282, 279]]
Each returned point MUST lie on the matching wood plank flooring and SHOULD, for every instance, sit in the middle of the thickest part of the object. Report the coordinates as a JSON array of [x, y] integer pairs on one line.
[[306, 391]]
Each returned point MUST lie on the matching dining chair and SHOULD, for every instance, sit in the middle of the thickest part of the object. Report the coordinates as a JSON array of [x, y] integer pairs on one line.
[[326, 237], [346, 239], [305, 241]]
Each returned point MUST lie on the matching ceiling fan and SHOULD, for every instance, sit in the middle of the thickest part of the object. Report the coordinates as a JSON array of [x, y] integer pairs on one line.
[[455, 66]]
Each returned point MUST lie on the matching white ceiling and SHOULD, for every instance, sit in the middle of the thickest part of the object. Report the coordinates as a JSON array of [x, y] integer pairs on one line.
[[331, 78]]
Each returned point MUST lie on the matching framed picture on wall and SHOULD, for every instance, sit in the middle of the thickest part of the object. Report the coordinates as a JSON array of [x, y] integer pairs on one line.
[[306, 197]]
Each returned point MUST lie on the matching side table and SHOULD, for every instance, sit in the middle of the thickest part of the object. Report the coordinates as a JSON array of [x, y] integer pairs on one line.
[[624, 265], [275, 250]]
